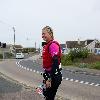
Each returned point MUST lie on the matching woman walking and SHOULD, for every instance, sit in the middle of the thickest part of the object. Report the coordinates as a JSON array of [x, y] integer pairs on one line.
[[51, 60]]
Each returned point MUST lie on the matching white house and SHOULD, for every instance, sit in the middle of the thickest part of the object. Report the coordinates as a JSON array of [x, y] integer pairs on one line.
[[92, 45]]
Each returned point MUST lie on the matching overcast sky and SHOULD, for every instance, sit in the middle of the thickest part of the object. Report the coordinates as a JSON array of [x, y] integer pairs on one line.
[[70, 20]]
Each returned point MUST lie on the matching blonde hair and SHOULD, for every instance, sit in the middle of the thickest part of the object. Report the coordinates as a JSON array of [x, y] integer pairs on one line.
[[49, 30]]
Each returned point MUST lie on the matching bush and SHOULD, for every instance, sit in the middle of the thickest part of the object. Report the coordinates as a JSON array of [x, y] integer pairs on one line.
[[85, 53], [8, 55], [66, 60], [78, 53], [95, 65]]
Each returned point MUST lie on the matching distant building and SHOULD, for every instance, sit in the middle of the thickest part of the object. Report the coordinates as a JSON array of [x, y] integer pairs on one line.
[[92, 45], [17, 48]]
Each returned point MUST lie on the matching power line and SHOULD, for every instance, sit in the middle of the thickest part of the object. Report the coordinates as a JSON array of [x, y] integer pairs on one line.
[[9, 26], [3, 22]]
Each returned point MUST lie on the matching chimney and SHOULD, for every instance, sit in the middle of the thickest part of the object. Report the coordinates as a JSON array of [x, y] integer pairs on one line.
[[86, 42], [78, 41]]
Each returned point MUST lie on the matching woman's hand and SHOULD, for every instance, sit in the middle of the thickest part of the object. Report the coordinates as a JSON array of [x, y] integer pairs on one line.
[[48, 83]]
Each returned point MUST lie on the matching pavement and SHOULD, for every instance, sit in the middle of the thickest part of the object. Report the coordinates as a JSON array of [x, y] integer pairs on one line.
[[13, 90]]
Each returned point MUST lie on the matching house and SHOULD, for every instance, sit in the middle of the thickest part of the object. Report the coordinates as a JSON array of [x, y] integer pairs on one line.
[[92, 45], [16, 48]]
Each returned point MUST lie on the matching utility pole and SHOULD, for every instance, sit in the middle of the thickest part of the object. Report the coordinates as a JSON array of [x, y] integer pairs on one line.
[[14, 35], [35, 45]]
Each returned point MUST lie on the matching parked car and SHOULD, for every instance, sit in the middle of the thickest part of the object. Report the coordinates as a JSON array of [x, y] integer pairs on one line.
[[19, 55]]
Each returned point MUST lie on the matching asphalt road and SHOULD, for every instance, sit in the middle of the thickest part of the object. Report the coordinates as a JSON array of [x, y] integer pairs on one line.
[[68, 89], [68, 75], [12, 90]]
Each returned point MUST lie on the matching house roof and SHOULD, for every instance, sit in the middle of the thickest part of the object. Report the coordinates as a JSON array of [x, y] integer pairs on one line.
[[17, 46], [75, 44], [89, 41]]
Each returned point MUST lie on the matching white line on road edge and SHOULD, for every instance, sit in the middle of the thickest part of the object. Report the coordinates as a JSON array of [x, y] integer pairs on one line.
[[92, 84], [37, 71], [71, 79], [97, 85], [24, 67], [81, 81], [76, 81], [67, 79], [20, 66], [34, 70], [62, 77], [28, 69], [86, 83]]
